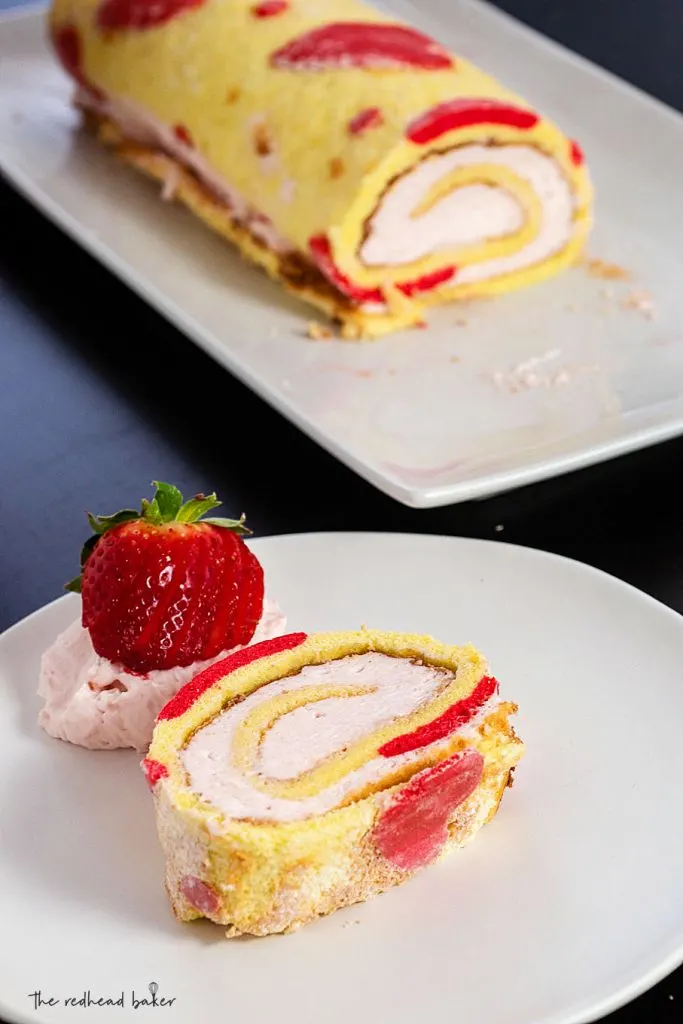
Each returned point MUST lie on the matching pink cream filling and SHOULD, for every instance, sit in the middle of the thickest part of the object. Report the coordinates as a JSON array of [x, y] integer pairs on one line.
[[93, 703], [301, 739]]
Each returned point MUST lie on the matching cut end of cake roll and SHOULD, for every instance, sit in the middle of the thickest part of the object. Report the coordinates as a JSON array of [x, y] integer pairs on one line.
[[370, 171], [308, 773]]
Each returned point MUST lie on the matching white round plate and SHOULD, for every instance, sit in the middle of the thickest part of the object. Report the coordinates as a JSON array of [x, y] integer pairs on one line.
[[567, 905]]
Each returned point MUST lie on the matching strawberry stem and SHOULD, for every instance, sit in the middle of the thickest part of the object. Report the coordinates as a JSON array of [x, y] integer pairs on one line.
[[167, 506]]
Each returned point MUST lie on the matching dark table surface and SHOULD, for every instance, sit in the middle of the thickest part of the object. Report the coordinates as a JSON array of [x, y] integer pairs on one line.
[[85, 422]]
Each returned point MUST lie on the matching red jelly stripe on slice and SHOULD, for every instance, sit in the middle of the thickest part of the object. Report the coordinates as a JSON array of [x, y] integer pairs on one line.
[[351, 44], [270, 9], [428, 282], [141, 14], [455, 717], [154, 771], [413, 829], [200, 895], [365, 121], [448, 117], [575, 153], [322, 251], [188, 694]]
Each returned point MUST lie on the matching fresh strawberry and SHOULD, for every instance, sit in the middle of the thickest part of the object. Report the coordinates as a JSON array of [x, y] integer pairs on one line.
[[362, 44], [165, 586], [141, 14]]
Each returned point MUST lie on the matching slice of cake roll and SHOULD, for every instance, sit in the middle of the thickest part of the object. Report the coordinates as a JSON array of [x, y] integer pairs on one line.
[[307, 773]]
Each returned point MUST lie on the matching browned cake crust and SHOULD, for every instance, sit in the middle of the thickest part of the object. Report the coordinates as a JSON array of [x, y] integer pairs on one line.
[[292, 270]]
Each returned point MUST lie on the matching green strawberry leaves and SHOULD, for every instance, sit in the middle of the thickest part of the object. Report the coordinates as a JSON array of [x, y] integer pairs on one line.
[[236, 525], [99, 525], [196, 507], [166, 506]]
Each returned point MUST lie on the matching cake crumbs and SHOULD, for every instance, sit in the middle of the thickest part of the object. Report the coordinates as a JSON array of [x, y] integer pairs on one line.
[[461, 322], [607, 271], [530, 374], [454, 359], [362, 374], [499, 527], [642, 302], [318, 332]]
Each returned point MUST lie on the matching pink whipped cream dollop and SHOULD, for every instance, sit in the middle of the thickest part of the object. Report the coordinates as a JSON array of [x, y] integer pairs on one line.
[[96, 704]]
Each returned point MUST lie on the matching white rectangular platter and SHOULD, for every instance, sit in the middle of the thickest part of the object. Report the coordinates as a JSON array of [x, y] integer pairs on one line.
[[493, 395]]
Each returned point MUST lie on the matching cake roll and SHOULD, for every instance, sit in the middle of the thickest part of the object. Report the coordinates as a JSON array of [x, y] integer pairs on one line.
[[307, 773], [359, 162]]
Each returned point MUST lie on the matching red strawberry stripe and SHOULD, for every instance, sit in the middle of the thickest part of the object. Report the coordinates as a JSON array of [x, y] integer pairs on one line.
[[69, 50], [192, 691], [427, 282], [183, 134], [270, 9], [414, 828], [365, 120], [449, 117], [141, 14], [454, 718], [154, 770], [576, 153], [350, 44], [200, 895], [322, 251]]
